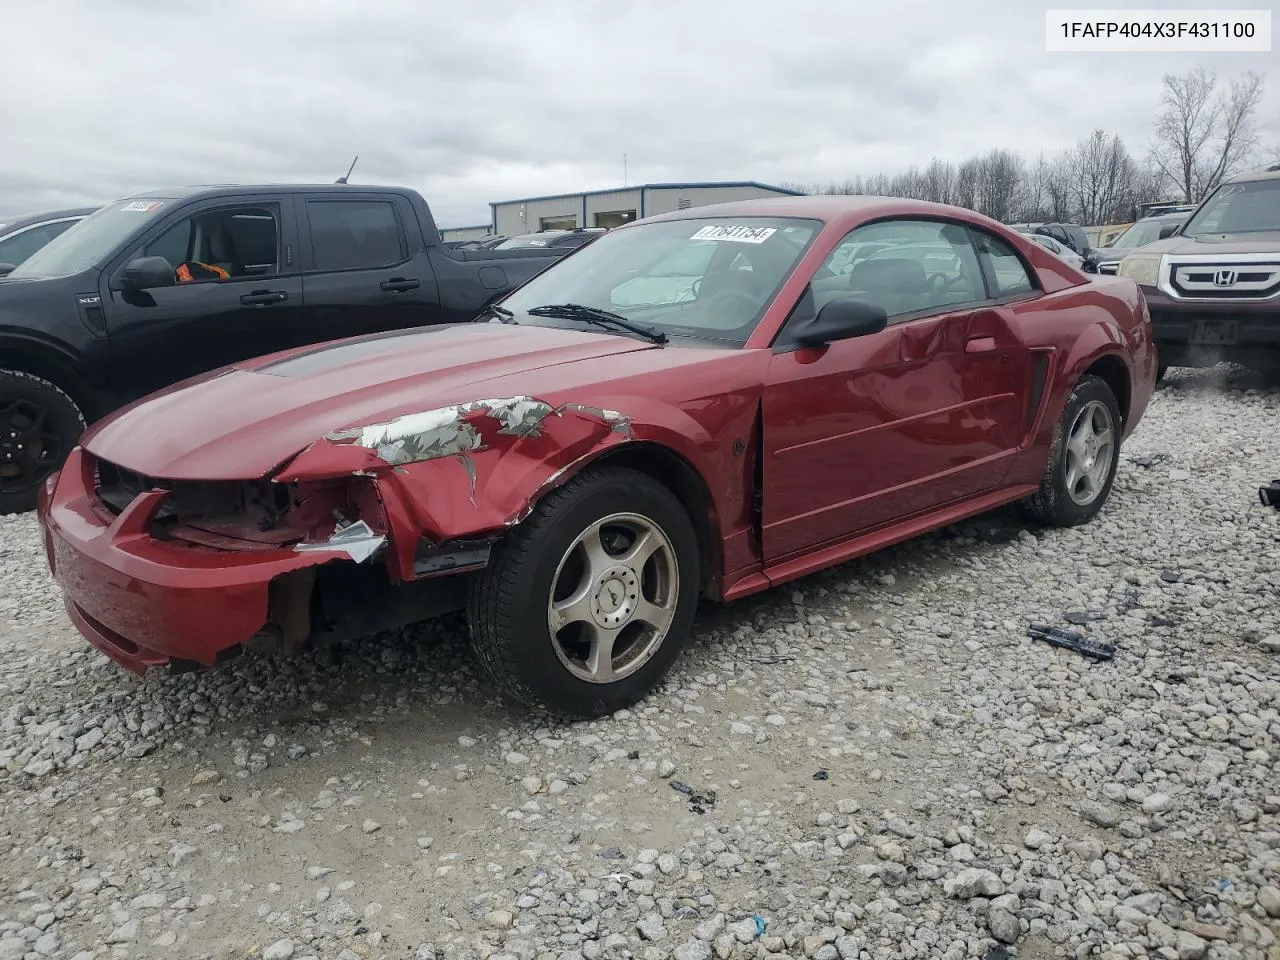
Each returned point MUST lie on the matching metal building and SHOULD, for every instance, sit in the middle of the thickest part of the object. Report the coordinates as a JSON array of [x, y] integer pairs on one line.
[[612, 208]]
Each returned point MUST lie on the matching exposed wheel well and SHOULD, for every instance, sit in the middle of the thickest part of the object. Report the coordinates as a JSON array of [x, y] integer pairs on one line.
[[47, 365], [1113, 372], [678, 475]]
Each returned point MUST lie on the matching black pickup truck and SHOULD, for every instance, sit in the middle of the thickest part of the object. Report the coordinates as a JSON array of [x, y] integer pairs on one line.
[[163, 286]]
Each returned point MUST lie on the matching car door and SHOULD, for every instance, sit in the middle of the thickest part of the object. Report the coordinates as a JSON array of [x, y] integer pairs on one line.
[[162, 335], [365, 267], [880, 427]]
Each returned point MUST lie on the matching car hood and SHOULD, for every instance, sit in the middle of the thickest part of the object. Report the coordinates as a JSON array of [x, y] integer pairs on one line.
[[242, 422], [1218, 244]]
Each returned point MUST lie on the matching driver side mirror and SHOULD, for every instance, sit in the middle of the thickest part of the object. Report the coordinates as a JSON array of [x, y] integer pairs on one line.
[[7, 268], [842, 319], [147, 273]]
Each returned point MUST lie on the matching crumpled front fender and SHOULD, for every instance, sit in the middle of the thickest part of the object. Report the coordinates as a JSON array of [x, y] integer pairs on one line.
[[469, 471]]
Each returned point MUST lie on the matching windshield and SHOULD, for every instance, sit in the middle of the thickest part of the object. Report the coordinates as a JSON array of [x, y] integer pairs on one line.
[[1140, 234], [706, 279], [1238, 208], [91, 240]]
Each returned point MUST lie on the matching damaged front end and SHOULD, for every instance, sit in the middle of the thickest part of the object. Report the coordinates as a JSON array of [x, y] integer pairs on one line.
[[453, 479], [367, 529]]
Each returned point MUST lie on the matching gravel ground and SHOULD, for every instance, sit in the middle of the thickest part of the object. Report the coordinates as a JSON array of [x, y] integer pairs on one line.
[[873, 763]]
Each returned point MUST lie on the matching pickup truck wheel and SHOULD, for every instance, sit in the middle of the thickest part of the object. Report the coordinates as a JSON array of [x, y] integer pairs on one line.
[[1082, 459], [39, 424], [586, 605]]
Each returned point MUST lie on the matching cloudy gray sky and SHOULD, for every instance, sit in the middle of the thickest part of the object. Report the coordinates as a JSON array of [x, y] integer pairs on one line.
[[478, 101]]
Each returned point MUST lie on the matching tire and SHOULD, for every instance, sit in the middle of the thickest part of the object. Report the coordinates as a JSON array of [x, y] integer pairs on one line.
[[544, 561], [1055, 503], [39, 425]]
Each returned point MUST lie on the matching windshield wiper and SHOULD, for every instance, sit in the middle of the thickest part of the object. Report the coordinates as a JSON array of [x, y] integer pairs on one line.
[[601, 318], [502, 313]]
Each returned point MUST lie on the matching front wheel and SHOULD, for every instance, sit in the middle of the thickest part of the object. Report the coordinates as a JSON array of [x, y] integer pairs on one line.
[[587, 604], [39, 424], [1082, 459]]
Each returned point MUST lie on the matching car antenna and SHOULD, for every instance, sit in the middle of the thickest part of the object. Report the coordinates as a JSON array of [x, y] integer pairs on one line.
[[343, 178]]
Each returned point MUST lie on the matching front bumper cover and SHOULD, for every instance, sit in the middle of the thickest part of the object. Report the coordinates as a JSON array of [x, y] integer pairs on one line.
[[1251, 326], [146, 602]]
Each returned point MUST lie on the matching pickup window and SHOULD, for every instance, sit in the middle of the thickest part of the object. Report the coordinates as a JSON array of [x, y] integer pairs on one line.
[[244, 241], [354, 234]]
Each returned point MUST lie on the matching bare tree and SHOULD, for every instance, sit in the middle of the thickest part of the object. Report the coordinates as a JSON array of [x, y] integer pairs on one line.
[[940, 181], [998, 184], [1202, 134], [966, 190]]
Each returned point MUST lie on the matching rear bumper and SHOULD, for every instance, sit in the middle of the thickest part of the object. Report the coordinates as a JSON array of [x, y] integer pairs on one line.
[[146, 602], [1237, 330]]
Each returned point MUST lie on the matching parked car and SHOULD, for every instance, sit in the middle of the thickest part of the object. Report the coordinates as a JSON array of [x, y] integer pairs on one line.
[[577, 473], [1107, 259], [1058, 249], [1068, 234], [481, 243], [21, 237], [1213, 289], [153, 289], [551, 239]]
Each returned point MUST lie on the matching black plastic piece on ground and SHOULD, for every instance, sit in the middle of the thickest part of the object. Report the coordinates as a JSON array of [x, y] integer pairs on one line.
[[1070, 640], [1270, 494]]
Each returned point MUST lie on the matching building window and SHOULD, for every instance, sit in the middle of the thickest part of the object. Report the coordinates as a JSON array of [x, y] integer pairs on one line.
[[614, 218], [557, 223], [683, 203]]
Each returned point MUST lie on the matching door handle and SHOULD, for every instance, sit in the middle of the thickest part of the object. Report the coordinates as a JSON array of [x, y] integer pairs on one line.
[[264, 298], [399, 285], [980, 345]]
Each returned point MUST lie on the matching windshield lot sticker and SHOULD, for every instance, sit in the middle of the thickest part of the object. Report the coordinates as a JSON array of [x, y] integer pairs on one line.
[[141, 206], [735, 234]]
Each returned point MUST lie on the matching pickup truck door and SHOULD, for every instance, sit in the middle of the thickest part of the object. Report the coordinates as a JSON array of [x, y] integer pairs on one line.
[[163, 335], [365, 266]]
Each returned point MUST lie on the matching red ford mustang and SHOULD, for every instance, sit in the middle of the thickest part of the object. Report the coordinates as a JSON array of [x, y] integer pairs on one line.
[[707, 403]]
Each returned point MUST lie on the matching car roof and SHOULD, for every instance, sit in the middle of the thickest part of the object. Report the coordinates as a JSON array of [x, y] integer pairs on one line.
[[828, 208], [238, 189], [18, 223], [1269, 172]]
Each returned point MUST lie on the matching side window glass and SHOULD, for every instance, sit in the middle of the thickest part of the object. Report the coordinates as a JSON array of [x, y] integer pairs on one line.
[[354, 234], [905, 266], [173, 244], [18, 248], [1011, 276], [222, 244]]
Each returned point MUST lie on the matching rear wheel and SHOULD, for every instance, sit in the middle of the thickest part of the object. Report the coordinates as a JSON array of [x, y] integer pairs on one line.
[[586, 606], [1082, 459], [39, 424]]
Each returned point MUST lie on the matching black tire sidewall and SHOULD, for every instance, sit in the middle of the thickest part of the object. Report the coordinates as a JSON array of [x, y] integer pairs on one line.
[[1068, 512], [64, 415], [530, 650]]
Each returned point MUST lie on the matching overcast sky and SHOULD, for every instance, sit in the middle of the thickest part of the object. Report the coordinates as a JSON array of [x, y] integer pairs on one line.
[[477, 101]]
